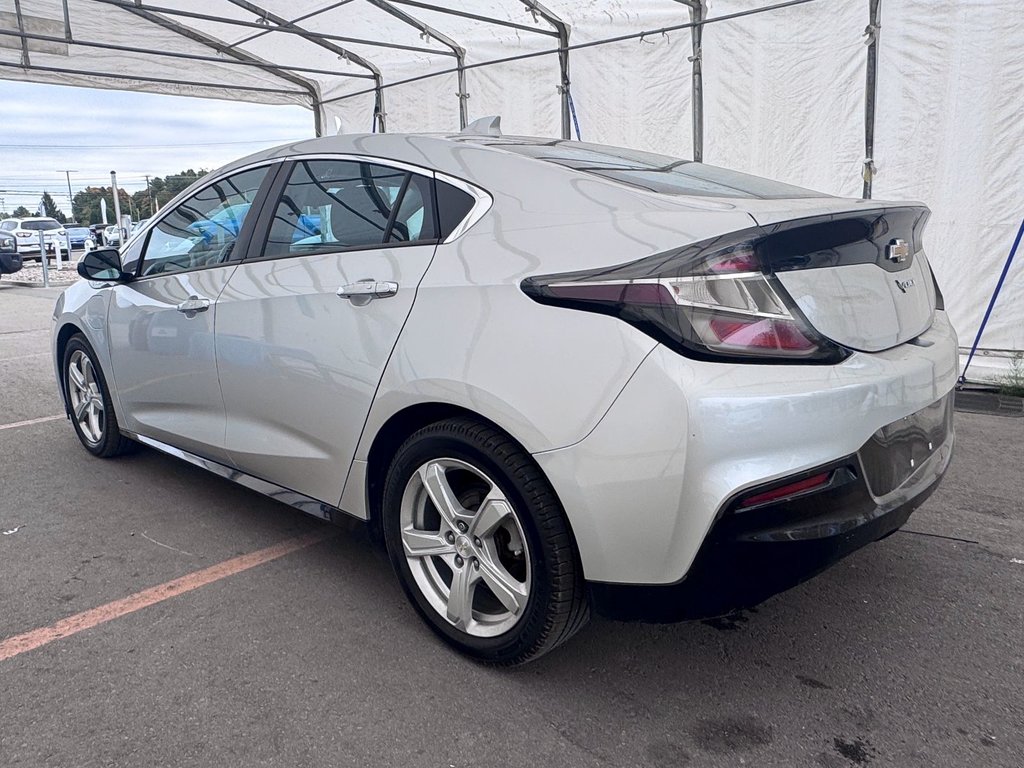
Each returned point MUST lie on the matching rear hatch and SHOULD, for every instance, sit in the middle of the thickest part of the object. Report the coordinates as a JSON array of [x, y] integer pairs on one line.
[[855, 268]]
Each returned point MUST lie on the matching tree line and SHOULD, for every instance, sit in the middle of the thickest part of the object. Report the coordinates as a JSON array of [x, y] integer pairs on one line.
[[86, 209]]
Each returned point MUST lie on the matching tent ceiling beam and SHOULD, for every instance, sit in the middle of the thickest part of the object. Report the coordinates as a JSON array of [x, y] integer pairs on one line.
[[475, 17], [457, 50], [378, 108], [211, 42], [232, 61], [143, 79], [296, 20], [287, 27], [67, 21], [21, 28]]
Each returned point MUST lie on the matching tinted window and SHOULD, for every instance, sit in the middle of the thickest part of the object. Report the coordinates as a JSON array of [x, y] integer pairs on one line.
[[44, 224], [657, 173], [202, 230], [331, 205], [453, 205]]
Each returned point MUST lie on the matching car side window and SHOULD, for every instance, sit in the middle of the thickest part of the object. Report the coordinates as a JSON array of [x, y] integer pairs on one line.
[[8, 225], [333, 205], [202, 230]]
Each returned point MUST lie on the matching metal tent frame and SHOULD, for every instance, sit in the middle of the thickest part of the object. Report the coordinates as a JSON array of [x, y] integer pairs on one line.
[[299, 79]]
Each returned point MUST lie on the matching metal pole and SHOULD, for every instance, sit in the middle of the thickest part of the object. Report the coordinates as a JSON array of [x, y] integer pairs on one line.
[[25, 60], [379, 116], [697, 15], [42, 259], [563, 66], [71, 197], [117, 207], [460, 63], [429, 33], [871, 91], [562, 31], [149, 194]]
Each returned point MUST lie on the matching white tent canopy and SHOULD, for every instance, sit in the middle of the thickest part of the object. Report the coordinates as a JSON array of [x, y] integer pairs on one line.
[[781, 93]]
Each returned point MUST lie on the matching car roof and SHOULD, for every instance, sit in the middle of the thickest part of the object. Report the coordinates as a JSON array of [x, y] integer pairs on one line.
[[431, 150]]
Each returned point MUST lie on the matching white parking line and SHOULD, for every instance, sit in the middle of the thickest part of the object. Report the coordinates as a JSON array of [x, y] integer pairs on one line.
[[30, 422], [22, 357]]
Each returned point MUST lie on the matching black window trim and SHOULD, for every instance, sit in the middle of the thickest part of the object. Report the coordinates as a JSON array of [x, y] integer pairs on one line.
[[266, 217], [245, 235]]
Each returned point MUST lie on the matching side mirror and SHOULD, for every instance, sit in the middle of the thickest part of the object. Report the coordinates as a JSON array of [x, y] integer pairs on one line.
[[104, 265]]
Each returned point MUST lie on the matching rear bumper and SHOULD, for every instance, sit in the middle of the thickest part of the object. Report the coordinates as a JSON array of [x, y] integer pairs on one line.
[[751, 554], [684, 438], [33, 247]]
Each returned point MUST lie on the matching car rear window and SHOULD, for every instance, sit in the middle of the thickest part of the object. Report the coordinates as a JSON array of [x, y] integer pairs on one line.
[[44, 224], [657, 173]]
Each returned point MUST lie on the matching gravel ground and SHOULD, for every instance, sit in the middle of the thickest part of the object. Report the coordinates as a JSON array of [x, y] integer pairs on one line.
[[32, 272]]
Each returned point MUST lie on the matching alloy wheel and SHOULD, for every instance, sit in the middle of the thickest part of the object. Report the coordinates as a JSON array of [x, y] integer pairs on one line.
[[86, 397], [465, 547]]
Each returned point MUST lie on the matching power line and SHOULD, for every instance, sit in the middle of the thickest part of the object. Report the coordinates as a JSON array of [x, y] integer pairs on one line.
[[142, 146]]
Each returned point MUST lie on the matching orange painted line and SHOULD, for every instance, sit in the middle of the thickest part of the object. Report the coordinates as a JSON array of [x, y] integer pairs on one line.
[[80, 622], [30, 422]]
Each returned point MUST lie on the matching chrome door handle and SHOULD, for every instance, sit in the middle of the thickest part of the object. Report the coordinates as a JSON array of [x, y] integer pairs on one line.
[[193, 304], [368, 289]]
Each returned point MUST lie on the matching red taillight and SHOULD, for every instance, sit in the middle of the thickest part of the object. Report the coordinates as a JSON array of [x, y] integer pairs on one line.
[[785, 491], [713, 302], [763, 333], [737, 260]]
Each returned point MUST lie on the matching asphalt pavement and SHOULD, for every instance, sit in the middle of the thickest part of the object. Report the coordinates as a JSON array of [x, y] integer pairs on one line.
[[907, 653]]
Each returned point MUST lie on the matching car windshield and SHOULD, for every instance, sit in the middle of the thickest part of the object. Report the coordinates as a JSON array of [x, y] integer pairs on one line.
[[44, 224], [656, 173]]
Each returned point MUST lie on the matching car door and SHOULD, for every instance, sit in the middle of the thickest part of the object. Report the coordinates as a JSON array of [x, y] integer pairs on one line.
[[161, 323], [307, 322]]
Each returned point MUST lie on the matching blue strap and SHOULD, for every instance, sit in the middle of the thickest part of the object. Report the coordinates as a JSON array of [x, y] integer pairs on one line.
[[572, 109], [992, 302]]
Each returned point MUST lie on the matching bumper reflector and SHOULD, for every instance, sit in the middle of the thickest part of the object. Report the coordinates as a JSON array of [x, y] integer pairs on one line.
[[785, 491]]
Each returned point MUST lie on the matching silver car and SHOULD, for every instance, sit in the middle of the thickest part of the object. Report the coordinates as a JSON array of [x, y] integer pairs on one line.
[[553, 377]]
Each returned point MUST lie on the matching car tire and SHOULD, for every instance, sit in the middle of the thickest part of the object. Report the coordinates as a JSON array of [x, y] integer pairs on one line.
[[89, 404], [505, 534]]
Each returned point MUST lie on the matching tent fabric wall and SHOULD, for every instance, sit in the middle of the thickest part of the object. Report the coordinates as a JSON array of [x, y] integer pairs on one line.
[[784, 93]]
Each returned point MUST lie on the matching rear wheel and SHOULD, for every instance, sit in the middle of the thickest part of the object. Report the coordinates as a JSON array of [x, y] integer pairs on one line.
[[481, 544], [92, 412]]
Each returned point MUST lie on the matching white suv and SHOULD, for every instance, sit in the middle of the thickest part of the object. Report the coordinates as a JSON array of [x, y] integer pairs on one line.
[[26, 233]]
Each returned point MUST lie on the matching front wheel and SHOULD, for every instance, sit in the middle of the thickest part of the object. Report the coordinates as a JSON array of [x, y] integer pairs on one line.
[[89, 403], [481, 544]]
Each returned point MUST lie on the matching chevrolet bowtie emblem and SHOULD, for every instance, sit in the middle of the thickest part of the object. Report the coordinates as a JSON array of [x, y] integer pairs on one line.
[[897, 251]]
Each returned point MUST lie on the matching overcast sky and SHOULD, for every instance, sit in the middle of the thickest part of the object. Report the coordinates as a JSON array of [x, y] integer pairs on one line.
[[47, 128]]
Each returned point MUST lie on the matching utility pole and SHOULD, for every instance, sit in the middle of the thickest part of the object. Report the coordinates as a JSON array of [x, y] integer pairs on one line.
[[117, 206], [71, 197], [149, 194]]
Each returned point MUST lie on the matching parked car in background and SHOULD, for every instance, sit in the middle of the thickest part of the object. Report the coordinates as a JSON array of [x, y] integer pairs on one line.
[[10, 259], [137, 225], [77, 234], [554, 377], [112, 235], [26, 234]]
